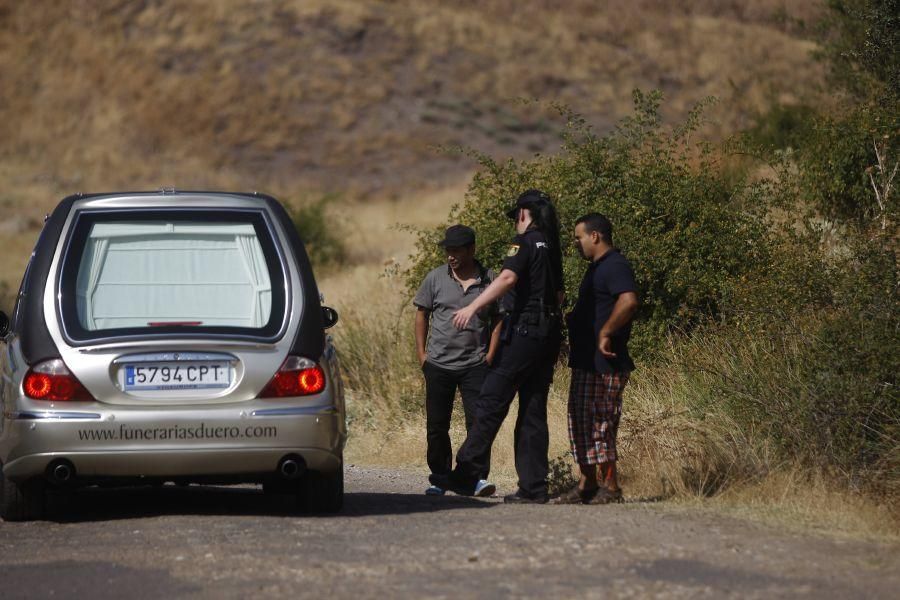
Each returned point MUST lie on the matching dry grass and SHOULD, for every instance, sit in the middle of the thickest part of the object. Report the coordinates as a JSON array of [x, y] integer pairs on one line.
[[796, 499], [352, 96]]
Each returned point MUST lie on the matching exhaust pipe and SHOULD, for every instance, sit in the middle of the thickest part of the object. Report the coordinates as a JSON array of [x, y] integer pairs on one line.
[[291, 467], [61, 472]]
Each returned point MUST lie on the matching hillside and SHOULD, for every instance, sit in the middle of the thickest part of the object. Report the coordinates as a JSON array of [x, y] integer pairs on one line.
[[349, 96]]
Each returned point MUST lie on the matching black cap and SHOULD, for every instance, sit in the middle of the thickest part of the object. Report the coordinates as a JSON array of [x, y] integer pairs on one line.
[[458, 236], [528, 199]]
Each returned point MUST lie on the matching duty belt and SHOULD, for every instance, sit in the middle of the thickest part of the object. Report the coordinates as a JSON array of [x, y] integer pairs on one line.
[[532, 324], [535, 317]]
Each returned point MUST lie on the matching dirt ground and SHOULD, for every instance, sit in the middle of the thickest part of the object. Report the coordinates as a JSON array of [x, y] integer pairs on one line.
[[392, 541]]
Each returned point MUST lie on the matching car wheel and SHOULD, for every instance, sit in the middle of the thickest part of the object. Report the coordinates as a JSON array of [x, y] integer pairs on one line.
[[23, 501], [322, 492]]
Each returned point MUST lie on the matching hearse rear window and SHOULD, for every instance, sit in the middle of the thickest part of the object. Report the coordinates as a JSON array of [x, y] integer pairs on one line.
[[142, 272]]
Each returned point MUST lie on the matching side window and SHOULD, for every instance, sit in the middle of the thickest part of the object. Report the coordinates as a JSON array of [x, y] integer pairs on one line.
[[15, 324]]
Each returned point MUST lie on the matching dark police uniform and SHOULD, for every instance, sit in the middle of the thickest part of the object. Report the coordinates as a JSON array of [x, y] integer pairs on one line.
[[525, 361]]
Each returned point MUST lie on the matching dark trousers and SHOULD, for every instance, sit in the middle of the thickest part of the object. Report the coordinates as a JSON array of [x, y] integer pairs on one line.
[[524, 364], [440, 390]]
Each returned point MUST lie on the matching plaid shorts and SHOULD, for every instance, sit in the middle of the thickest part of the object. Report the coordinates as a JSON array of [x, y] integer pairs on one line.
[[595, 406]]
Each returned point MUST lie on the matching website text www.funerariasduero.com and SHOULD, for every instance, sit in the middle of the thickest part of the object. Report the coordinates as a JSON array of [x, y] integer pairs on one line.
[[178, 432]]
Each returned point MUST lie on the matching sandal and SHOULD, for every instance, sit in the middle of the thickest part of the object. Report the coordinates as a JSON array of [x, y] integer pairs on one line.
[[605, 496], [575, 496]]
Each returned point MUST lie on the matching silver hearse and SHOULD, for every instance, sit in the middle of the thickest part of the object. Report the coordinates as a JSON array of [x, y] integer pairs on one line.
[[169, 337]]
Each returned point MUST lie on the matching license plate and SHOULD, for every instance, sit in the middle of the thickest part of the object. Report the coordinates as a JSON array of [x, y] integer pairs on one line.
[[178, 376]]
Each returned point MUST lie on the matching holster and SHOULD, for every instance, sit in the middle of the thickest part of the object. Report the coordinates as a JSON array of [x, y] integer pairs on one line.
[[537, 325]]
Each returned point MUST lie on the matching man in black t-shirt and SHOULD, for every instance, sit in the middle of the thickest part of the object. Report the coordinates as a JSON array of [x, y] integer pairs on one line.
[[599, 328]]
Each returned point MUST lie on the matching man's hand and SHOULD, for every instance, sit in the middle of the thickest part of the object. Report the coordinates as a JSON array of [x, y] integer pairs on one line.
[[422, 357], [505, 281], [622, 312], [463, 316], [605, 346]]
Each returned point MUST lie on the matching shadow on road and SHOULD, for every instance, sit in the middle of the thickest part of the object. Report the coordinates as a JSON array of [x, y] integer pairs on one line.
[[98, 504], [94, 579]]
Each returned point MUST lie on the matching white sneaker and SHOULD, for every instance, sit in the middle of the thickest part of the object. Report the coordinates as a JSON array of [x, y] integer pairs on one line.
[[484, 488]]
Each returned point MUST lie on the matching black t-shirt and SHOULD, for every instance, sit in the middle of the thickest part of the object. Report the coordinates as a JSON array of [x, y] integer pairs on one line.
[[535, 290], [604, 280]]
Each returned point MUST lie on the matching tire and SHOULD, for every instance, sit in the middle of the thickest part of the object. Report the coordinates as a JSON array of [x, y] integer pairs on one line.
[[322, 492], [23, 501]]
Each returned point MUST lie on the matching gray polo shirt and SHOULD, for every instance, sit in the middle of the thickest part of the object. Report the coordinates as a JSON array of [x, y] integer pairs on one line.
[[442, 295]]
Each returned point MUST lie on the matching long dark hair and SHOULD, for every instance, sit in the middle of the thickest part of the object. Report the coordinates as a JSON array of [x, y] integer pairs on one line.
[[545, 220]]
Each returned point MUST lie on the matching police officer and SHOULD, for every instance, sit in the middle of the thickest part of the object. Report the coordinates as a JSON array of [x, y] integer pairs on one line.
[[531, 286]]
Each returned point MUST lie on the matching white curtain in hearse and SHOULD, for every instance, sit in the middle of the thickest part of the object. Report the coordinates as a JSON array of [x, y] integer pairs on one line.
[[86, 285], [141, 274], [255, 263]]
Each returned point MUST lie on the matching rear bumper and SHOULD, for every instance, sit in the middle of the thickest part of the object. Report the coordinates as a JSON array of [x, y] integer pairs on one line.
[[188, 444]]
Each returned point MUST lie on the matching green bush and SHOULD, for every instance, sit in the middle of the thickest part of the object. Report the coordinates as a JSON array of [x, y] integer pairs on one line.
[[860, 41], [821, 322], [803, 390], [827, 309], [856, 363], [833, 163], [819, 389], [313, 225], [688, 229]]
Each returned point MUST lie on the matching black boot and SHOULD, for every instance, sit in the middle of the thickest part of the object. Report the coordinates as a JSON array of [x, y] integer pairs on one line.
[[521, 497]]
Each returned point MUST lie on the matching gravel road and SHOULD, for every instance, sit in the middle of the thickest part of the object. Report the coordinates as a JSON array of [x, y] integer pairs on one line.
[[392, 541]]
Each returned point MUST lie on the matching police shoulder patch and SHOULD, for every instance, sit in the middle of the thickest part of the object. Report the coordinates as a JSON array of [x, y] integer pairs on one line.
[[513, 250]]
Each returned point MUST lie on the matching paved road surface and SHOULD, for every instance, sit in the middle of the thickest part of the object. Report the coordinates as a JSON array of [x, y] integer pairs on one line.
[[391, 541]]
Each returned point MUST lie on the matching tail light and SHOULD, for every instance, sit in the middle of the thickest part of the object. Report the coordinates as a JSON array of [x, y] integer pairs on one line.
[[51, 380], [297, 377]]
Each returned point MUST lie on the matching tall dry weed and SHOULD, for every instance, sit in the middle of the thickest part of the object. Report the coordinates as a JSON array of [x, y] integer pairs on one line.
[[376, 345]]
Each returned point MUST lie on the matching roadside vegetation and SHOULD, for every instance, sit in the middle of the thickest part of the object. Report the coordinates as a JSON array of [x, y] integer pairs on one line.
[[768, 341], [312, 221]]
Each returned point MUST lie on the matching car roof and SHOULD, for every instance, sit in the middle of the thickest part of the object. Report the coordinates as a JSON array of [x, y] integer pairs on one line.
[[167, 195]]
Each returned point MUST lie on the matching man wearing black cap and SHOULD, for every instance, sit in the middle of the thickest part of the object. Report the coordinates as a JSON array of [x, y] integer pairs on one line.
[[454, 359]]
